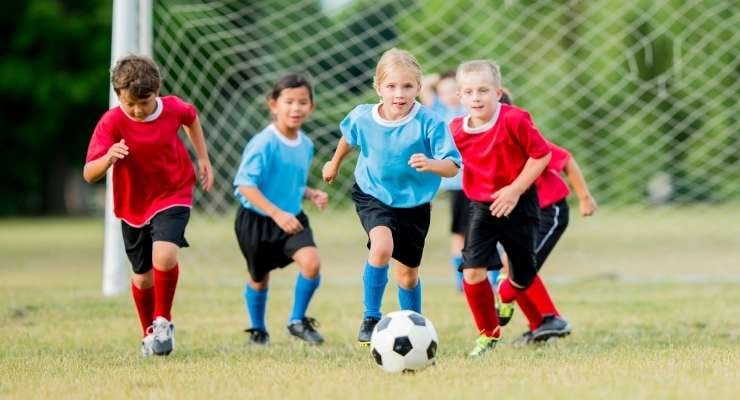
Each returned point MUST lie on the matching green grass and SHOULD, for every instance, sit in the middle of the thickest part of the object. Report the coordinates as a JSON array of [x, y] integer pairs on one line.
[[654, 298]]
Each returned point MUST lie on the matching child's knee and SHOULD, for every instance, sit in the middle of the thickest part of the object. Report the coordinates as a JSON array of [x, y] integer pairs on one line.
[[261, 285], [381, 252], [475, 275], [164, 256], [143, 281], [310, 267], [407, 278]]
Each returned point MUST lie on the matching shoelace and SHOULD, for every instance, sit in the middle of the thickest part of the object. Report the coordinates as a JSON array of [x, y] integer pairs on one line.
[[162, 330]]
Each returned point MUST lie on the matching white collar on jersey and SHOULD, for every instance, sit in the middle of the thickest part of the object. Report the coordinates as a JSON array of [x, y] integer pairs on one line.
[[286, 140], [488, 125], [380, 120], [151, 117]]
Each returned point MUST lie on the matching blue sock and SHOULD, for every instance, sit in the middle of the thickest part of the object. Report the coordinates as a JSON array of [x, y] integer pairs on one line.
[[256, 301], [410, 299], [492, 277], [304, 289], [374, 280], [456, 262]]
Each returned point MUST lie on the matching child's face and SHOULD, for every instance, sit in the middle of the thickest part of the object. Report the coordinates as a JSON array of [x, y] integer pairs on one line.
[[447, 92], [397, 92], [292, 107], [479, 94], [137, 108]]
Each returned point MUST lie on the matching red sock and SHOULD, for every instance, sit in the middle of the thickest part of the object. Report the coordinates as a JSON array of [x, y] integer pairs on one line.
[[537, 294], [507, 292], [165, 283], [530, 311], [144, 301], [483, 307]]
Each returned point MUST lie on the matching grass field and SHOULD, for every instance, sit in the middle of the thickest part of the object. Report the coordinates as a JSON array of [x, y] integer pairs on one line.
[[654, 298]]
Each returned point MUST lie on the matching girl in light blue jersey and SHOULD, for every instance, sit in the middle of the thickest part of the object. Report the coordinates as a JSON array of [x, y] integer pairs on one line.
[[404, 149]]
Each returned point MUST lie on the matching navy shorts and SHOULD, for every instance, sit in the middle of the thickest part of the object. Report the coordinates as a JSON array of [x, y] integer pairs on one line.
[[166, 226], [409, 226], [517, 233], [459, 205], [553, 221], [265, 245]]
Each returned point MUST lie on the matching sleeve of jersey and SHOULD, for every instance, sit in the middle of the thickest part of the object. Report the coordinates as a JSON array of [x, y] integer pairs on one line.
[[560, 157], [187, 112], [530, 137], [348, 126], [102, 138], [253, 165], [442, 145]]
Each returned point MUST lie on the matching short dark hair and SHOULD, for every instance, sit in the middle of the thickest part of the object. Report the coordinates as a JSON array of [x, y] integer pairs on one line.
[[449, 74], [291, 81], [136, 73], [505, 96]]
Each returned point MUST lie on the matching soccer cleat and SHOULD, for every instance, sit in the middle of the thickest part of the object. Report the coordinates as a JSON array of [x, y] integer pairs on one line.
[[163, 333], [523, 340], [552, 326], [259, 337], [366, 330], [304, 329], [483, 345], [146, 344], [505, 311]]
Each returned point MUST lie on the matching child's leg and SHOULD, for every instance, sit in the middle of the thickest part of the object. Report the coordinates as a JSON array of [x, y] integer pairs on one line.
[[479, 295], [142, 289], [375, 275], [166, 273], [409, 287], [307, 281], [255, 298], [457, 242]]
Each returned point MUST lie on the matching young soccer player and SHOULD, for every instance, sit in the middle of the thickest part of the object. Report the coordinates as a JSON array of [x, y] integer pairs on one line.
[[404, 149], [552, 192], [153, 181], [270, 226], [503, 153]]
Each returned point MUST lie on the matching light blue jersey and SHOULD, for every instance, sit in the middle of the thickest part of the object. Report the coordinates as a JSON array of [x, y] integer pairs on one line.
[[447, 114], [278, 167], [385, 148]]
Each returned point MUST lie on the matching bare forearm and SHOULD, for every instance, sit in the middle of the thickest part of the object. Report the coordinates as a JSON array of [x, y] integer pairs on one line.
[[444, 168], [195, 133], [575, 176], [259, 200], [532, 169], [95, 170], [343, 148]]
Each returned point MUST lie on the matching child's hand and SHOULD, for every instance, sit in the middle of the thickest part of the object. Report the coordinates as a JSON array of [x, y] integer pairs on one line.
[[587, 206], [287, 222], [205, 174], [420, 162], [504, 201], [320, 198], [330, 171], [116, 152]]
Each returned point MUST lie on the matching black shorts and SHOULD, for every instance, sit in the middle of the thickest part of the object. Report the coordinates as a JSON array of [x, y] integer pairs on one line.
[[409, 226], [264, 245], [166, 226], [459, 205], [517, 233], [553, 221]]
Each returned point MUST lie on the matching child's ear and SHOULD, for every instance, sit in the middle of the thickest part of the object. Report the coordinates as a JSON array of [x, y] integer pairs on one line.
[[272, 105]]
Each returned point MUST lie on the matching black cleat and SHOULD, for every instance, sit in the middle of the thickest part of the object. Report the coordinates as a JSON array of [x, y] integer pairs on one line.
[[304, 329], [552, 326], [366, 330], [258, 336]]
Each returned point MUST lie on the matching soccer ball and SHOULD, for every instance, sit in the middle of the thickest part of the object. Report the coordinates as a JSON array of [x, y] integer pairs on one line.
[[404, 341]]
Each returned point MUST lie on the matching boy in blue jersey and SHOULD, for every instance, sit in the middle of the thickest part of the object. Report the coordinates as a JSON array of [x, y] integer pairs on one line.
[[271, 228], [404, 149]]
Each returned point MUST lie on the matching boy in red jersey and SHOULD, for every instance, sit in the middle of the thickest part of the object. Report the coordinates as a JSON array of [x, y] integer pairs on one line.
[[503, 153], [153, 183]]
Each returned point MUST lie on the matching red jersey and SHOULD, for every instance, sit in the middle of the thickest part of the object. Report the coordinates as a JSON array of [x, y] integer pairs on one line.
[[494, 154], [157, 173], [551, 187]]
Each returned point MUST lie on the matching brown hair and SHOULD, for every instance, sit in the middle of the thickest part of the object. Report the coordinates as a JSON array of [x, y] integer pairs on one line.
[[136, 73], [396, 58]]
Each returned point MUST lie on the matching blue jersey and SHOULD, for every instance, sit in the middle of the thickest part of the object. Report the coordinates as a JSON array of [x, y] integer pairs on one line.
[[385, 148], [278, 167], [448, 113]]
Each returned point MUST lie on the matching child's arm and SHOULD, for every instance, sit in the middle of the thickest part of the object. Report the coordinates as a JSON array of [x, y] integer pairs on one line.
[[286, 221], [331, 168], [318, 197], [586, 202], [506, 198], [205, 171], [96, 169], [445, 168]]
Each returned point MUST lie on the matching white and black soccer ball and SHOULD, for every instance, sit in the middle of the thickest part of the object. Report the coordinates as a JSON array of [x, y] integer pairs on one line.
[[404, 341]]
